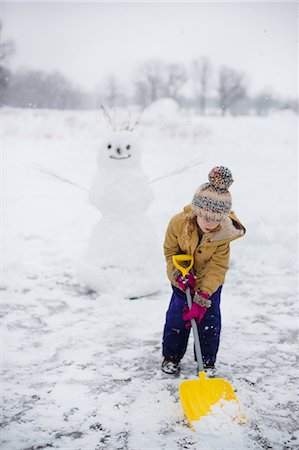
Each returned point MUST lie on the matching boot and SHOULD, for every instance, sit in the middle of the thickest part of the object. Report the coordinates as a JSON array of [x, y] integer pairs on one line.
[[170, 367]]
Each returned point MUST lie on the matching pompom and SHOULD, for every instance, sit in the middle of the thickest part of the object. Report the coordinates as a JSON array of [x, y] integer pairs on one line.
[[220, 178]]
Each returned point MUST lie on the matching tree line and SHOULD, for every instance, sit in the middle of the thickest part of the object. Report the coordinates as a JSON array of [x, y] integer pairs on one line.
[[199, 86]]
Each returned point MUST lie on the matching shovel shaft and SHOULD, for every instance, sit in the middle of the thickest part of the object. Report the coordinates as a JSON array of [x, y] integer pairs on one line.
[[195, 334]]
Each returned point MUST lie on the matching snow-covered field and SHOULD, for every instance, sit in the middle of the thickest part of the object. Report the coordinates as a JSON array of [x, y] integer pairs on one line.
[[82, 371]]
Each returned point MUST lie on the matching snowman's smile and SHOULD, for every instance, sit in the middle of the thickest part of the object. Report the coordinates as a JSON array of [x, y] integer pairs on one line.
[[120, 157]]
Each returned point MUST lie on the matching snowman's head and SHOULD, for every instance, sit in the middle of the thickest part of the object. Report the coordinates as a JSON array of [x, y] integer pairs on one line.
[[120, 149]]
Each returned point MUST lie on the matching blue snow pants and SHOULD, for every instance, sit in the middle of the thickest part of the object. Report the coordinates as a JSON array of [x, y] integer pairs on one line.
[[175, 335]]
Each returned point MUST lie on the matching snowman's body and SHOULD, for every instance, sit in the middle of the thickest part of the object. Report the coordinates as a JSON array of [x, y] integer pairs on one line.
[[123, 254]]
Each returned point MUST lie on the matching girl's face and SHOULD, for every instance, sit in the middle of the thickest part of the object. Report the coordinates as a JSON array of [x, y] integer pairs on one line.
[[206, 227]]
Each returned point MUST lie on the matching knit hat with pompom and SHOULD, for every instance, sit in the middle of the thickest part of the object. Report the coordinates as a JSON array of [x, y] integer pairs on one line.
[[212, 201]]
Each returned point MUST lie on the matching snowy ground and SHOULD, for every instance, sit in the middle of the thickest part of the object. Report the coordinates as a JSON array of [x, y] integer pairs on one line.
[[83, 371]]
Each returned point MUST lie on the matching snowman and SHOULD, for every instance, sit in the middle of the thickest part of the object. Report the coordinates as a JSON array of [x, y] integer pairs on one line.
[[123, 255]]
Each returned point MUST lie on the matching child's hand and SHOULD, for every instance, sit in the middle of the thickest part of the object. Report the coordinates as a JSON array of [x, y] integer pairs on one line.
[[188, 280], [196, 312], [202, 299]]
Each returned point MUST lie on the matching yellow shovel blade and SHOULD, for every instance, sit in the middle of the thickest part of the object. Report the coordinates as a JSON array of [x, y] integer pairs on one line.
[[197, 396]]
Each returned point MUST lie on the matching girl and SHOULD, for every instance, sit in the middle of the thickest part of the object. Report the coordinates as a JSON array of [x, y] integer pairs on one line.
[[204, 229]]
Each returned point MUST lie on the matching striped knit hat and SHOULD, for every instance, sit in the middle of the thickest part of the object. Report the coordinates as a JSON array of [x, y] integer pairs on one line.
[[212, 201]]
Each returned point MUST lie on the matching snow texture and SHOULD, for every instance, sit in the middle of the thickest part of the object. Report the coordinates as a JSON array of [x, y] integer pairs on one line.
[[82, 370]]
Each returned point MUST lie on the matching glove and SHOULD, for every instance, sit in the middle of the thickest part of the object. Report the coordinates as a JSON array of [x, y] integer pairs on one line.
[[202, 299], [196, 312], [188, 280]]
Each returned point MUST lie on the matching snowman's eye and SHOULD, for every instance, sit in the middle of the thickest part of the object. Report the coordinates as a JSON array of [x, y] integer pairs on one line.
[[128, 147], [109, 146]]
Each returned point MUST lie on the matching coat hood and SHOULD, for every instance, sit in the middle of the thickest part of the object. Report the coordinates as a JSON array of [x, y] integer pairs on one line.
[[228, 230]]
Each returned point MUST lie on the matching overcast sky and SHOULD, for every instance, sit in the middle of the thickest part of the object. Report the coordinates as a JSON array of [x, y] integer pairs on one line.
[[87, 41]]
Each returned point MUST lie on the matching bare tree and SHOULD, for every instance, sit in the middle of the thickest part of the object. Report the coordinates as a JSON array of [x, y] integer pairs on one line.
[[111, 92], [201, 73], [263, 102], [175, 78], [7, 49], [291, 103], [152, 78], [38, 89], [141, 93], [231, 88]]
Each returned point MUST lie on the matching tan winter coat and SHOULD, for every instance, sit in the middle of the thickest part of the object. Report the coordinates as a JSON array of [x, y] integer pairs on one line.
[[210, 250]]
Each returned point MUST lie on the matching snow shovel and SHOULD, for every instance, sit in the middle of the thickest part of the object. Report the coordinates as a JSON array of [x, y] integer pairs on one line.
[[198, 396]]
